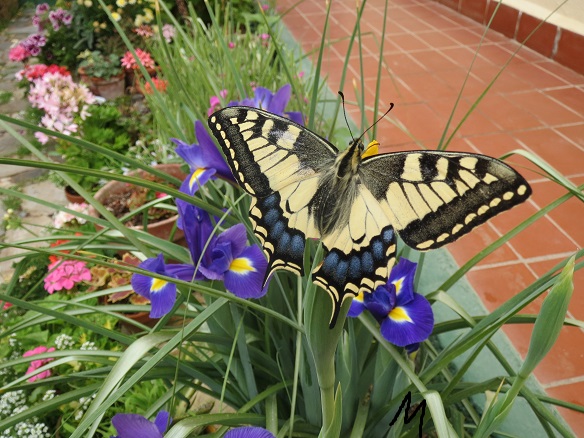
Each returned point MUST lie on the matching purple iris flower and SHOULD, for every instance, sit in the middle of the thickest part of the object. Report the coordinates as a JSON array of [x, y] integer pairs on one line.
[[161, 293], [134, 425], [405, 316], [272, 102], [249, 432], [204, 160], [225, 257]]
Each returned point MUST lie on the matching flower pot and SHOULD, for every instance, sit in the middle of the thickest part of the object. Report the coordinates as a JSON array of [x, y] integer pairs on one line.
[[107, 88], [161, 229], [73, 196]]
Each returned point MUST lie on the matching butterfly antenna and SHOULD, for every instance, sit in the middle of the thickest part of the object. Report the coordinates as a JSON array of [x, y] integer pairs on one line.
[[345, 113], [377, 121]]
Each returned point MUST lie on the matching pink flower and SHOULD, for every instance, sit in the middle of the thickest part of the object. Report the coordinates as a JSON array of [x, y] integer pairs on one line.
[[64, 274], [18, 54], [265, 7], [231, 45], [7, 305], [215, 102], [168, 32], [264, 36], [129, 63], [37, 363]]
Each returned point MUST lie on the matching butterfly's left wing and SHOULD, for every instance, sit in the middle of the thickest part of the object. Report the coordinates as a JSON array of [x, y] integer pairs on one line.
[[433, 198], [278, 162]]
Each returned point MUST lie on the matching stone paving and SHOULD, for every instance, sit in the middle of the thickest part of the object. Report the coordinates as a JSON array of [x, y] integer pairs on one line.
[[35, 217]]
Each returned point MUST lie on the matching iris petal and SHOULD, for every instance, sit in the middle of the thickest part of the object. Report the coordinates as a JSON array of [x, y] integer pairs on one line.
[[162, 421], [246, 274], [416, 327], [196, 180], [402, 276], [280, 100], [357, 306], [134, 425], [249, 432]]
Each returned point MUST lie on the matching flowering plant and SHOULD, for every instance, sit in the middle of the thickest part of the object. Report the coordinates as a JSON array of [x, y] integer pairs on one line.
[[96, 64], [62, 101], [145, 58], [65, 274]]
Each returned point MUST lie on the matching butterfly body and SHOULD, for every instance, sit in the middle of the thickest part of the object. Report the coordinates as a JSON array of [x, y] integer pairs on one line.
[[303, 187]]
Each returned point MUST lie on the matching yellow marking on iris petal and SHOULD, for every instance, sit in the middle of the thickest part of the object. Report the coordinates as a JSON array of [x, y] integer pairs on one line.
[[371, 149], [196, 174], [399, 314], [398, 285], [522, 189], [157, 284], [241, 265]]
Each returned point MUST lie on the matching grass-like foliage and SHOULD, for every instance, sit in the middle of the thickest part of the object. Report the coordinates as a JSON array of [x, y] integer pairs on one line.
[[217, 360]]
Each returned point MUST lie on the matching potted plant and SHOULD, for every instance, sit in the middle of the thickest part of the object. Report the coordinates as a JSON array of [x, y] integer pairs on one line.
[[102, 73], [121, 198]]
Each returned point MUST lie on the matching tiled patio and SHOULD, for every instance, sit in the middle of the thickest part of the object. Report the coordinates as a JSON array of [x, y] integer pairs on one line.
[[536, 105]]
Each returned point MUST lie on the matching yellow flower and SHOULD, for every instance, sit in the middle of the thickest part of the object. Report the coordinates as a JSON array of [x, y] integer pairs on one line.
[[116, 16], [96, 24], [139, 20], [132, 2], [88, 3], [103, 25], [121, 3]]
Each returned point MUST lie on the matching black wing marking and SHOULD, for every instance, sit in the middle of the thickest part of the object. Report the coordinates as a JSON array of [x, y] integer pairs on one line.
[[433, 198]]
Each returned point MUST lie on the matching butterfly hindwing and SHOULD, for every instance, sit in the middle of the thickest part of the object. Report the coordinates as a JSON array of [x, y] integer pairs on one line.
[[433, 198]]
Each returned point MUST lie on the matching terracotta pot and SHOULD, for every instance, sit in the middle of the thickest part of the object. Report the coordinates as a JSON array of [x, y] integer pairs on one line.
[[108, 88], [161, 229], [73, 196]]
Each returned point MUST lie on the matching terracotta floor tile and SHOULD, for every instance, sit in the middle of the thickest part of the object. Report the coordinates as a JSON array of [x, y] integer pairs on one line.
[[545, 109], [504, 113], [428, 86], [539, 239], [456, 78], [392, 90], [562, 362], [566, 215], [549, 145], [401, 64], [409, 42], [437, 39], [422, 122], [536, 76], [495, 285], [576, 306], [462, 56], [574, 133], [570, 96], [475, 123], [433, 60], [572, 393], [564, 72], [478, 239]]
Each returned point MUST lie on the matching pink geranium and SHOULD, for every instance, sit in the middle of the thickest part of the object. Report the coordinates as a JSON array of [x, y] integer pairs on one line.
[[64, 274], [129, 63], [37, 363], [18, 54]]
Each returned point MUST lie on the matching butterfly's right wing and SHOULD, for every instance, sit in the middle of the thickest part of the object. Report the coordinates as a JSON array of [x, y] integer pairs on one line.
[[278, 162]]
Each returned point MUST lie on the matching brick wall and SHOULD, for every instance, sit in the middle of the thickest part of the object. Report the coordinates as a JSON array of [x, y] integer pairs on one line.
[[561, 45]]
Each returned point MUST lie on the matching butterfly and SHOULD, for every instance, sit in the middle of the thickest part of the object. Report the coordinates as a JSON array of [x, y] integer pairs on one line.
[[353, 201]]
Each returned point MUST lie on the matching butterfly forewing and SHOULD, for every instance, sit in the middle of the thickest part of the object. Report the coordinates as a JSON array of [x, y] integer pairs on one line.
[[433, 198]]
